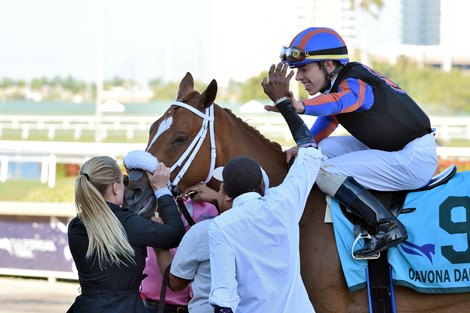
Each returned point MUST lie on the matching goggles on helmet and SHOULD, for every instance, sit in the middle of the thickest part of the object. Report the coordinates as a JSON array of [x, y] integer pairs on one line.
[[293, 54]]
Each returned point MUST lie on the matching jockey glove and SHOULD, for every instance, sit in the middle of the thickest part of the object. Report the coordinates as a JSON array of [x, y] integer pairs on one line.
[[298, 129]]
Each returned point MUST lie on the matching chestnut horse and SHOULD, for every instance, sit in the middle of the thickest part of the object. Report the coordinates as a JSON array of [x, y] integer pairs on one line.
[[179, 131]]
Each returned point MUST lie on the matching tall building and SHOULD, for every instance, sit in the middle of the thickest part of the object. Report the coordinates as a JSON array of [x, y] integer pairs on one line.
[[429, 31], [421, 22]]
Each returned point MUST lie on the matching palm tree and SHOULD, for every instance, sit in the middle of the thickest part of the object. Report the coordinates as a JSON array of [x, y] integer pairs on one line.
[[367, 5]]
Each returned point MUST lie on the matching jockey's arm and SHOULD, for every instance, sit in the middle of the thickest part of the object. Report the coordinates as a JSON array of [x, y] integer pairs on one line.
[[297, 127]]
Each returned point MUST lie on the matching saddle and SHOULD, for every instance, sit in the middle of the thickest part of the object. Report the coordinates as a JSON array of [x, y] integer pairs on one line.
[[379, 282], [394, 200]]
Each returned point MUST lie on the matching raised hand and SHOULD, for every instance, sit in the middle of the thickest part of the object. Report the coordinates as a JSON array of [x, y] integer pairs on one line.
[[278, 87], [278, 84]]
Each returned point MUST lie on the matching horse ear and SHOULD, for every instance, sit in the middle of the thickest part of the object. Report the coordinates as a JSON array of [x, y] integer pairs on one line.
[[186, 86], [208, 96]]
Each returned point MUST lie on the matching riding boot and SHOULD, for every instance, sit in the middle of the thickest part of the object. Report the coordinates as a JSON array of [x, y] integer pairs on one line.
[[389, 230]]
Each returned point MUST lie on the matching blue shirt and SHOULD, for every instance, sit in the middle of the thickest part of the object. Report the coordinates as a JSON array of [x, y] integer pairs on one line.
[[191, 262]]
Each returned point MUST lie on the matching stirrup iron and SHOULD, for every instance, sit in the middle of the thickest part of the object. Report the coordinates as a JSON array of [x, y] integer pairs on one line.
[[359, 237]]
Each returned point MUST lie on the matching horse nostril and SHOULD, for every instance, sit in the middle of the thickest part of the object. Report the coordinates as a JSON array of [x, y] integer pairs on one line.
[[132, 195], [138, 193]]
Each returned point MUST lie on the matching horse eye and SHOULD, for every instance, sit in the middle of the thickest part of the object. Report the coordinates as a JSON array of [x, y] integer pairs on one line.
[[180, 140]]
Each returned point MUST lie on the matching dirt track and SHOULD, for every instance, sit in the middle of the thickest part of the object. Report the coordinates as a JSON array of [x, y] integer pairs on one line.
[[35, 295]]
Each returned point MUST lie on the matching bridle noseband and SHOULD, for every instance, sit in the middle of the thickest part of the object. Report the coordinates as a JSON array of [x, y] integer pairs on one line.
[[192, 150]]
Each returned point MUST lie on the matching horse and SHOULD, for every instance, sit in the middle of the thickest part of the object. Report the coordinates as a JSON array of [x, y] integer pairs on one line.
[[179, 130]]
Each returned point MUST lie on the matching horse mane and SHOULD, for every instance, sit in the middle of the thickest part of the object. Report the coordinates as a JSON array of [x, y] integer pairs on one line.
[[253, 130]]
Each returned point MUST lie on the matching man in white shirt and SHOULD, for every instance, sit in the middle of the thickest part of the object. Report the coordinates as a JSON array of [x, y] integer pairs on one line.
[[254, 247]]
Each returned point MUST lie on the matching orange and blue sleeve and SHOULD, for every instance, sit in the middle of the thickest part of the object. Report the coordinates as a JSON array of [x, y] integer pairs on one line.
[[353, 95], [323, 127]]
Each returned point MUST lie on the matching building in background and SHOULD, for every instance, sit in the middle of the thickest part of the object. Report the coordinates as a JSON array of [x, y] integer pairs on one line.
[[429, 31], [421, 22]]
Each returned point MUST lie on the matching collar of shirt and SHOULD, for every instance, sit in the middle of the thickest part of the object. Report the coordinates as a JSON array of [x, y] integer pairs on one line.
[[245, 197], [332, 83], [115, 207]]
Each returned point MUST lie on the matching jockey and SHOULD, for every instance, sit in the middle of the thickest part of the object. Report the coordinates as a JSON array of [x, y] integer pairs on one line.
[[392, 146]]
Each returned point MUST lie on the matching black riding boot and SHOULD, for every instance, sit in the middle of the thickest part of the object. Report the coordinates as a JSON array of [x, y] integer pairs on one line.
[[359, 201]]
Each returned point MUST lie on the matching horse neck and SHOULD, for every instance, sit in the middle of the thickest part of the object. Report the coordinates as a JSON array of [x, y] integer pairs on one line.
[[235, 137]]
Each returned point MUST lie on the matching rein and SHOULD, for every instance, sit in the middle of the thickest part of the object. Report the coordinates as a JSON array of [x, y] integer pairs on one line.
[[179, 197]]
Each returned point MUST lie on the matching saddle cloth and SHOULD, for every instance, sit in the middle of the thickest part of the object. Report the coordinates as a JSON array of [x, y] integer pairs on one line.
[[436, 256]]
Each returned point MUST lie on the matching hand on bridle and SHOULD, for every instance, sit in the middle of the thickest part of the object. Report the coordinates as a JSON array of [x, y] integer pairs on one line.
[[200, 192]]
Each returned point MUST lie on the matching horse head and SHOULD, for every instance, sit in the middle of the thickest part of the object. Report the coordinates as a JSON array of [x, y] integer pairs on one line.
[[181, 136]]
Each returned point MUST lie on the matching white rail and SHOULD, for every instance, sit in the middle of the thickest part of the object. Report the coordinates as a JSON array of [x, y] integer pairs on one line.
[[48, 154], [448, 127]]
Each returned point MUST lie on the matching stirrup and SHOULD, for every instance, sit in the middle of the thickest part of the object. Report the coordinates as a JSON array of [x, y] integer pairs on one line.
[[356, 241]]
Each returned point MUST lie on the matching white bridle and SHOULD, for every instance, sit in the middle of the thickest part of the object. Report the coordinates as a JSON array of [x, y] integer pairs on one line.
[[193, 148]]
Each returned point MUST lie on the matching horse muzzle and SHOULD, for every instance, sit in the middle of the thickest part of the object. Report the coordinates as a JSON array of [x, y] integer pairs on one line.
[[138, 195]]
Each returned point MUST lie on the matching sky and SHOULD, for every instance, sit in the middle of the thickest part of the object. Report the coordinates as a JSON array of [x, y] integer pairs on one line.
[[154, 39], [143, 39], [46, 38], [55, 37]]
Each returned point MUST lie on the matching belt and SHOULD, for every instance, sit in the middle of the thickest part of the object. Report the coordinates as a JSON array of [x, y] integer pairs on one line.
[[169, 308]]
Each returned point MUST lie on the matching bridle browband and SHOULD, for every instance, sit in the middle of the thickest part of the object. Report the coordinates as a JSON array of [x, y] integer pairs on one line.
[[192, 150]]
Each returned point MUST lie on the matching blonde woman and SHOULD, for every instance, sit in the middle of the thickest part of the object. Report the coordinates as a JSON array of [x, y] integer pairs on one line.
[[108, 242]]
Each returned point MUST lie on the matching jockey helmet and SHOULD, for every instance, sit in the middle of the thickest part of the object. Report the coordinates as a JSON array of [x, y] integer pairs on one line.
[[315, 44]]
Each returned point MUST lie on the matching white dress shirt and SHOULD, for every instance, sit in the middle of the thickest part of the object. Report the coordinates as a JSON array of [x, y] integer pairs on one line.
[[254, 246]]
